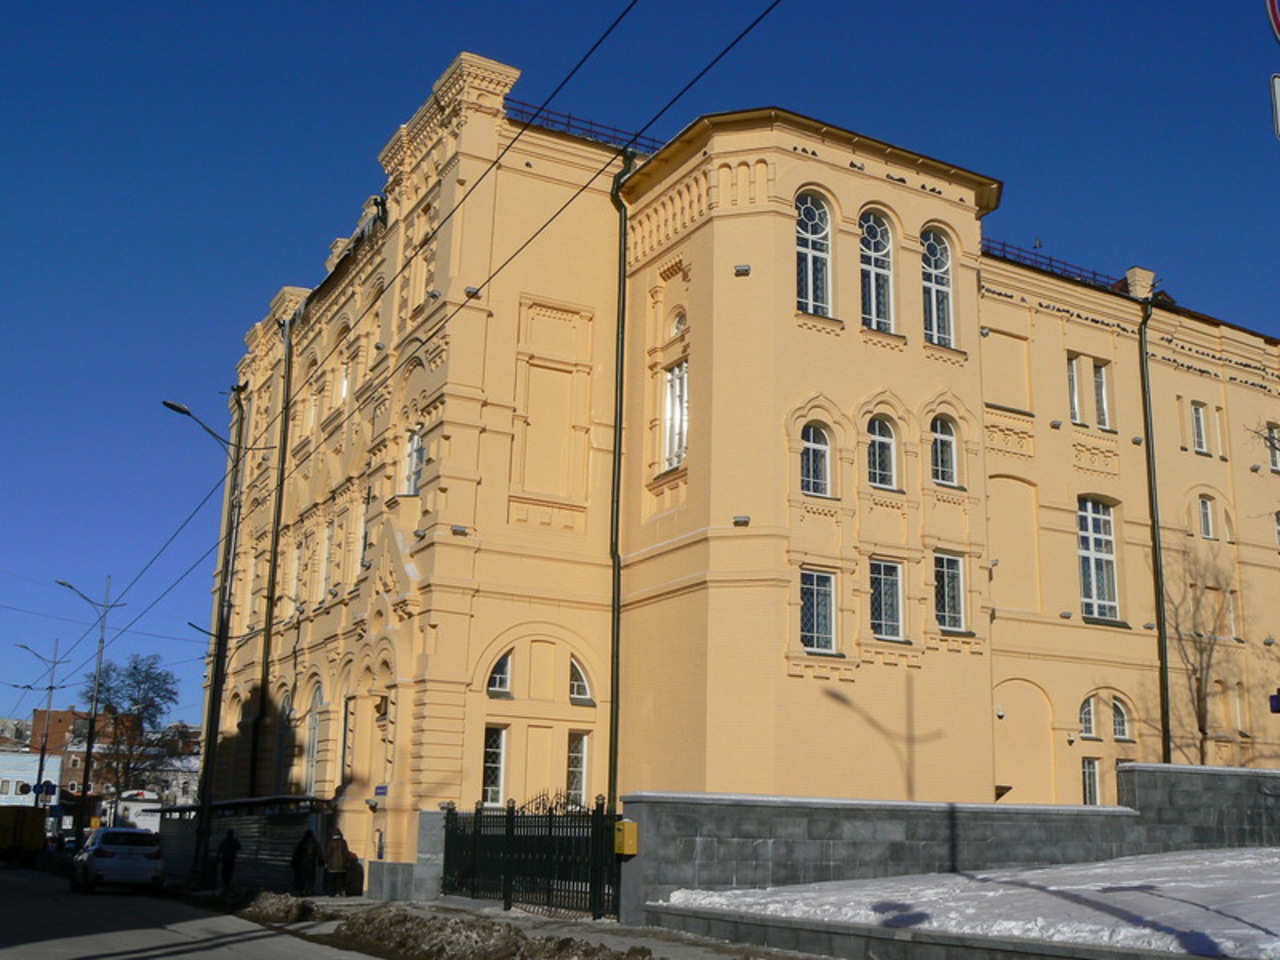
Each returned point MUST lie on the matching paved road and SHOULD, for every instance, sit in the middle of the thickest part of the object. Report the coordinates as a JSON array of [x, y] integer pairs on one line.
[[41, 920]]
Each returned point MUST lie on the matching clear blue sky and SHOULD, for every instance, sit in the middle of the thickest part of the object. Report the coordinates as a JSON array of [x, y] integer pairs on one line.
[[167, 167]]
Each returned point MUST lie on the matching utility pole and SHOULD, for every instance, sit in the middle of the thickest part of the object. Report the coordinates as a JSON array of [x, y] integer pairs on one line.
[[103, 609], [48, 708]]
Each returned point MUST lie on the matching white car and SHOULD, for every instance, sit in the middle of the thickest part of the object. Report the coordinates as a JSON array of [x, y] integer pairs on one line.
[[118, 855]]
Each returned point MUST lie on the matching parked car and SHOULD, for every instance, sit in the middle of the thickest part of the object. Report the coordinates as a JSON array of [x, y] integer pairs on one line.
[[118, 855]]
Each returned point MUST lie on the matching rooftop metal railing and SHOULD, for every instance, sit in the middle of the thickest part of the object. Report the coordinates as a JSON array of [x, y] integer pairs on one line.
[[522, 112]]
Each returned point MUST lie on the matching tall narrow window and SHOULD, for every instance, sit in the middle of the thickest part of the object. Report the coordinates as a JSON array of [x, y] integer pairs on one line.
[[415, 457], [942, 454], [936, 276], [948, 591], [311, 764], [326, 569], [817, 610], [877, 272], [495, 739], [1273, 445], [1119, 720], [815, 462], [1087, 727], [881, 455], [1089, 781], [1206, 517], [1098, 596], [886, 600], [676, 414], [1199, 437], [1073, 389], [1101, 398], [575, 786], [813, 255]]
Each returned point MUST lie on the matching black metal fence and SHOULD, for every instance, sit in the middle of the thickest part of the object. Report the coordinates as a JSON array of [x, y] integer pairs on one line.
[[555, 858]]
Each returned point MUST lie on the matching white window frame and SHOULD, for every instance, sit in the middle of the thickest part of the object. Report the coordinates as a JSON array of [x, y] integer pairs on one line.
[[675, 415], [575, 786], [311, 763], [1120, 720], [1273, 446], [886, 599], [815, 461], [1199, 432], [882, 453], [948, 591], [415, 458], [935, 269], [813, 255], [876, 249], [1073, 388], [817, 610], [943, 450], [1101, 395], [1088, 717], [579, 688], [1206, 516], [493, 768], [1099, 596], [1089, 781], [500, 676]]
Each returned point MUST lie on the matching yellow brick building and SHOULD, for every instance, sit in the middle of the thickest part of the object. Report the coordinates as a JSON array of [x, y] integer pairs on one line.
[[883, 514]]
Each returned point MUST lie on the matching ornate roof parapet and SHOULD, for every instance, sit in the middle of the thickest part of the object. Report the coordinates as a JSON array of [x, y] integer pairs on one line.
[[471, 84]]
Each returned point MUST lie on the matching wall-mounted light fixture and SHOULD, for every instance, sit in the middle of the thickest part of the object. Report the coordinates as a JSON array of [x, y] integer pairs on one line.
[[473, 292], [379, 345], [742, 520], [1071, 739], [985, 331], [742, 270], [371, 803], [1148, 626], [1254, 468], [1136, 441], [1056, 424], [1270, 641], [458, 530], [434, 294], [419, 533], [1065, 615]]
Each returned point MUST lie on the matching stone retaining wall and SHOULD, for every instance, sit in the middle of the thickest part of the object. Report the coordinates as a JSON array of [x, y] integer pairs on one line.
[[725, 841]]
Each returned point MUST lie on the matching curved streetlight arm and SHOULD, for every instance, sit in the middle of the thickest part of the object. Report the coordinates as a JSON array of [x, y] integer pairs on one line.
[[185, 411]]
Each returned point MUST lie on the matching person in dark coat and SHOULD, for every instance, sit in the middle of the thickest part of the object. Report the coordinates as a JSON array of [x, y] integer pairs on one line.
[[335, 865], [306, 857], [227, 851]]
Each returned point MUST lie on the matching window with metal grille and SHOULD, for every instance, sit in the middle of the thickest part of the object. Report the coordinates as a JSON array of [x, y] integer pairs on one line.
[[948, 586], [881, 454], [495, 739], [817, 610], [877, 272], [935, 266], [886, 600], [813, 255], [815, 461], [1097, 560]]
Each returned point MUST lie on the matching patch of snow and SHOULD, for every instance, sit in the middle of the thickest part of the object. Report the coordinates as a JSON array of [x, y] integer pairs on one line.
[[1201, 902]]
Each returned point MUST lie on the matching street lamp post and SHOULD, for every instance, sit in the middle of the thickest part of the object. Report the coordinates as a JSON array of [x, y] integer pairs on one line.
[[103, 609], [48, 707], [218, 672]]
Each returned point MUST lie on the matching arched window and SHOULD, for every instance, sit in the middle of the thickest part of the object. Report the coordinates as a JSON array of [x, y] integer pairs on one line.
[[935, 275], [881, 456], [578, 687], [1086, 718], [500, 676], [942, 454], [1097, 546], [284, 743], [813, 255], [877, 272], [815, 461], [1206, 517], [1119, 720], [415, 457], [313, 742]]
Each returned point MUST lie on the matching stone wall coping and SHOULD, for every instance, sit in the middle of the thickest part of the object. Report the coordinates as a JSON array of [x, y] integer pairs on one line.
[[1182, 768], [765, 800]]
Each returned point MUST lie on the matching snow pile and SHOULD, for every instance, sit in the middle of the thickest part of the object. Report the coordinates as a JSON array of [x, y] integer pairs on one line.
[[1203, 902], [413, 936]]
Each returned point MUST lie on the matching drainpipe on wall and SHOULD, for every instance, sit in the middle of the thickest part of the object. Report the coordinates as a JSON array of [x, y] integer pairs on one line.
[[1143, 280], [615, 498], [282, 453]]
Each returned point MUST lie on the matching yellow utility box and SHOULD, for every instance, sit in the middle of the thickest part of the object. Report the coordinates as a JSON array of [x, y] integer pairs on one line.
[[626, 838]]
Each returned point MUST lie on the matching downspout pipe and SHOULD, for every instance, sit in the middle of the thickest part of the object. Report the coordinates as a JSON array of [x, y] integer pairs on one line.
[[1157, 549], [264, 678], [615, 497]]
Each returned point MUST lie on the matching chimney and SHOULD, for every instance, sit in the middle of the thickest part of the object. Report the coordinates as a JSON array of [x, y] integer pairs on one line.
[[1141, 282]]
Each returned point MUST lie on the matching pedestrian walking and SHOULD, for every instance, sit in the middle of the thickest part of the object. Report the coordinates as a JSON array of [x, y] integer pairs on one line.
[[335, 865], [227, 851], [305, 860]]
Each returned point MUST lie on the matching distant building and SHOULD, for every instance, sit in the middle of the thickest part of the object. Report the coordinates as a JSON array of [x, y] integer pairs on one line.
[[18, 772], [884, 519]]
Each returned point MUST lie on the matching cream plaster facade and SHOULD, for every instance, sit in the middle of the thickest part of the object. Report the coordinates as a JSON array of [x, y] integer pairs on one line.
[[441, 620]]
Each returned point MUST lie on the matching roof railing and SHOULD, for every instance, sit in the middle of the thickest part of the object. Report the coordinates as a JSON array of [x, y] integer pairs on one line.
[[522, 112], [1030, 258]]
